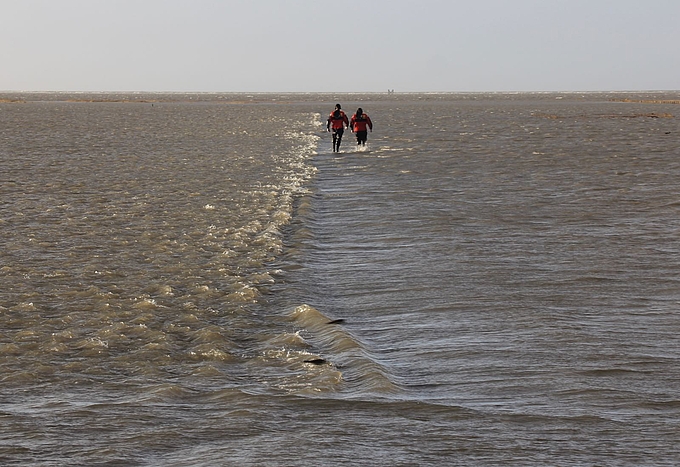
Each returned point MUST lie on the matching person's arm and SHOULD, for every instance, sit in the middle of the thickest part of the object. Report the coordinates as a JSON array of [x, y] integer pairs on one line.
[[370, 123]]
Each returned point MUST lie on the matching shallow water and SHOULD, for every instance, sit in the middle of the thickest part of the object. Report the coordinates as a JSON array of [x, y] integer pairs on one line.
[[502, 269]]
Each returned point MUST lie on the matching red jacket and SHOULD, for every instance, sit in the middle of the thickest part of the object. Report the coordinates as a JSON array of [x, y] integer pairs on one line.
[[338, 122], [360, 123]]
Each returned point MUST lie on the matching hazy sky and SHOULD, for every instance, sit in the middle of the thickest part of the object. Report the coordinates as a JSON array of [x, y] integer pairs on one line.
[[341, 46]]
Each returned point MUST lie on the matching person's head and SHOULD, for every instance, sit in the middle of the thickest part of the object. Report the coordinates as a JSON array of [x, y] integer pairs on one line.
[[337, 106], [360, 111]]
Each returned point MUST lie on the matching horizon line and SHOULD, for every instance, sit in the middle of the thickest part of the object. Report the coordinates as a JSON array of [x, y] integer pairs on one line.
[[388, 91]]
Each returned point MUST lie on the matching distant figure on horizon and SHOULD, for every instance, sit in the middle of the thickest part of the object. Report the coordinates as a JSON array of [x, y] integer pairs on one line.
[[337, 122], [360, 121]]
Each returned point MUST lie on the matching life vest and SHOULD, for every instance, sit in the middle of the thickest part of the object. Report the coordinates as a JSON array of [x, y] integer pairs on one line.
[[361, 122], [338, 119]]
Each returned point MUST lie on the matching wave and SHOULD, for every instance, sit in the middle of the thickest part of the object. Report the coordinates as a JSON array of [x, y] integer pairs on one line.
[[335, 347]]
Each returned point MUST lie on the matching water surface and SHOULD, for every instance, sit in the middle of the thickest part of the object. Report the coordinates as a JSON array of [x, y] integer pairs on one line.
[[199, 280]]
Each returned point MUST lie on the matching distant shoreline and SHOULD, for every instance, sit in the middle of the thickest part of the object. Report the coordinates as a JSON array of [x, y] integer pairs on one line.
[[243, 98], [648, 101]]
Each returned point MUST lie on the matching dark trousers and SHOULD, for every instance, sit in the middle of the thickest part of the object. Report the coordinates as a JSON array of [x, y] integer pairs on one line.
[[337, 138]]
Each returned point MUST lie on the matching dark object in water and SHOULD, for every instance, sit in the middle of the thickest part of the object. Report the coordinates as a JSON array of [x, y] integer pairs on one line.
[[337, 321], [316, 361]]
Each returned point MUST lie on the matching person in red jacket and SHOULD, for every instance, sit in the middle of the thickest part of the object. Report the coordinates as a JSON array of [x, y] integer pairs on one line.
[[337, 122], [360, 121]]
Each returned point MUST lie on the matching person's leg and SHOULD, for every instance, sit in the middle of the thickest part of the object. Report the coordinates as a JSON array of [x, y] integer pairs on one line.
[[340, 131]]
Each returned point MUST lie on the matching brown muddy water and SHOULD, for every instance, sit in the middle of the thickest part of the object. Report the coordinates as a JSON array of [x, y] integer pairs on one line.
[[194, 279]]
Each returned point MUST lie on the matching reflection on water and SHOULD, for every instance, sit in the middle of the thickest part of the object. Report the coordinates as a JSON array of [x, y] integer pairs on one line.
[[137, 236]]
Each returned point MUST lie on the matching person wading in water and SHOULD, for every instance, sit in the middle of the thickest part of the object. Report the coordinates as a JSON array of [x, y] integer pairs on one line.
[[337, 122], [360, 121]]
